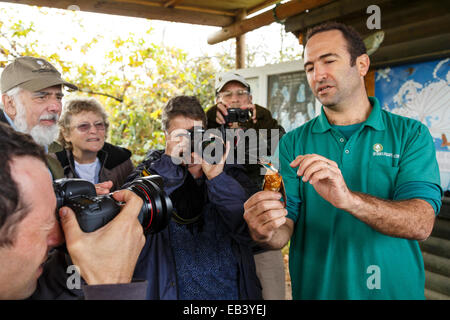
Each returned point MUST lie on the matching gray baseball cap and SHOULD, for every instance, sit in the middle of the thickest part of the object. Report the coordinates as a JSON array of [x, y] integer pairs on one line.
[[223, 78], [31, 74]]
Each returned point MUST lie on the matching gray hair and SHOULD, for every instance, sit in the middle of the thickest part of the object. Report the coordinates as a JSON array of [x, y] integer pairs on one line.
[[13, 93], [75, 106]]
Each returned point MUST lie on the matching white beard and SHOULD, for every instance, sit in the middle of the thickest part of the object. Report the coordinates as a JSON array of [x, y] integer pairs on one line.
[[42, 135]]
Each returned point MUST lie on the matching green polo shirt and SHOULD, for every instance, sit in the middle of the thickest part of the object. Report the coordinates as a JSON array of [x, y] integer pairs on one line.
[[332, 254]]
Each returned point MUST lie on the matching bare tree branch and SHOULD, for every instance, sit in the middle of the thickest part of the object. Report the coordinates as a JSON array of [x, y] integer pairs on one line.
[[103, 94]]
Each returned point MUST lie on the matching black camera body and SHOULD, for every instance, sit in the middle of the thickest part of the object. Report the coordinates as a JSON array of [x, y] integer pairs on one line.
[[94, 211], [198, 139], [237, 115]]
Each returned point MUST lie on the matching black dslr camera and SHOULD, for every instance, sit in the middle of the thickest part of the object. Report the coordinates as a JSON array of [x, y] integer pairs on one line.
[[237, 115], [201, 142], [94, 211]]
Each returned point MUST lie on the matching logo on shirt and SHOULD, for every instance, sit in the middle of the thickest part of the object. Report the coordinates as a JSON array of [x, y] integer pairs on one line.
[[377, 147], [378, 151]]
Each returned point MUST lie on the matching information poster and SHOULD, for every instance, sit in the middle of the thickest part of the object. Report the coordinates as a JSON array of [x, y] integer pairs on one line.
[[290, 99], [421, 91]]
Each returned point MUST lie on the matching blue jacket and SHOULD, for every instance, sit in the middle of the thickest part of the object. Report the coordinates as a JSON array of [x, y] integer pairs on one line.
[[226, 196]]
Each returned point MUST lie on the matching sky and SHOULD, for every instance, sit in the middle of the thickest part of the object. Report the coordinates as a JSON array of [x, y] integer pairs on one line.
[[55, 26]]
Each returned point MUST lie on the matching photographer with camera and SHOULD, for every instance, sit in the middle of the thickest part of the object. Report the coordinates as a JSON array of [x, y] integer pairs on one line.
[[205, 253], [234, 109], [29, 230]]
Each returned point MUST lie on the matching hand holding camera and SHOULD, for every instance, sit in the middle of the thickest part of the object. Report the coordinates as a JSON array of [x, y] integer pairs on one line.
[[105, 234], [195, 145], [251, 109], [93, 212], [108, 255], [235, 113], [212, 169]]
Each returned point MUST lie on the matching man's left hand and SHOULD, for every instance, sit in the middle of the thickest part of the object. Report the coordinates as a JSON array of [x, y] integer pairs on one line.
[[212, 170], [326, 178]]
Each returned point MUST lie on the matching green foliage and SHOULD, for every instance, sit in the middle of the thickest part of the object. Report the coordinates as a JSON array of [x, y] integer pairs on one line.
[[134, 82], [145, 78]]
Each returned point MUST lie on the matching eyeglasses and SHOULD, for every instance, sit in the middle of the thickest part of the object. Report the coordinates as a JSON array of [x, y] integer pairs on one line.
[[85, 127], [229, 94]]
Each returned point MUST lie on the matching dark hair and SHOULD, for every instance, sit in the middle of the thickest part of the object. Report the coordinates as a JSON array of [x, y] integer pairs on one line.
[[12, 206], [187, 106], [355, 44]]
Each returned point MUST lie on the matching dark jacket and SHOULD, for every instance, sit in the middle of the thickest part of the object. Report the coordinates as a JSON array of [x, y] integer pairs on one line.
[[115, 162], [226, 195], [2, 117], [53, 163], [55, 281]]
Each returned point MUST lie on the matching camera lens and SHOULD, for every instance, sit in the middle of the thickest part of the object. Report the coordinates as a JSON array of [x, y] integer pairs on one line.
[[157, 208]]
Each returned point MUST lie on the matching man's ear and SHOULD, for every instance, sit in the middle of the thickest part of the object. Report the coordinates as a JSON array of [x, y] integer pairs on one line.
[[9, 106], [363, 64]]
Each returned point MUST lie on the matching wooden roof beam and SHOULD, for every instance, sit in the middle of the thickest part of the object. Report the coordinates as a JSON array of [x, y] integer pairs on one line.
[[282, 12], [143, 9], [172, 3], [261, 6]]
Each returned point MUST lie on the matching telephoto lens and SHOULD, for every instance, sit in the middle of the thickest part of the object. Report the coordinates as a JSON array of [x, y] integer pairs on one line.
[[157, 208], [93, 211]]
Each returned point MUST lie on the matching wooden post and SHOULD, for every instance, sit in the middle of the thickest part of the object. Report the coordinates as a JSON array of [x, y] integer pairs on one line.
[[369, 81], [240, 42]]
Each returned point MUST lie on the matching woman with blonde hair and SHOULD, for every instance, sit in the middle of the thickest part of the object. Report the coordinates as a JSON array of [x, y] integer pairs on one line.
[[83, 130]]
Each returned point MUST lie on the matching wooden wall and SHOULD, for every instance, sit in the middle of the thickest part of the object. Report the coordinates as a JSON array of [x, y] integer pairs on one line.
[[415, 30]]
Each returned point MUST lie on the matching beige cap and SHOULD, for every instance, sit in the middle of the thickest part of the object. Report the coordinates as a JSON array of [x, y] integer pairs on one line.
[[223, 78], [31, 74]]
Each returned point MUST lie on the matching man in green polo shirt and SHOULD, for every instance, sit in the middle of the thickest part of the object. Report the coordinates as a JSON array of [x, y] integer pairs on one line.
[[362, 185]]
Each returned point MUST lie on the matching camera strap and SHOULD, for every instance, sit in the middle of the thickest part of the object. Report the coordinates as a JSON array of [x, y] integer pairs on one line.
[[189, 200], [181, 220]]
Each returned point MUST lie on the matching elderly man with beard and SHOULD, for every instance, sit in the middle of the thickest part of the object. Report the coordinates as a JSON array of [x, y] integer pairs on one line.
[[32, 103]]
